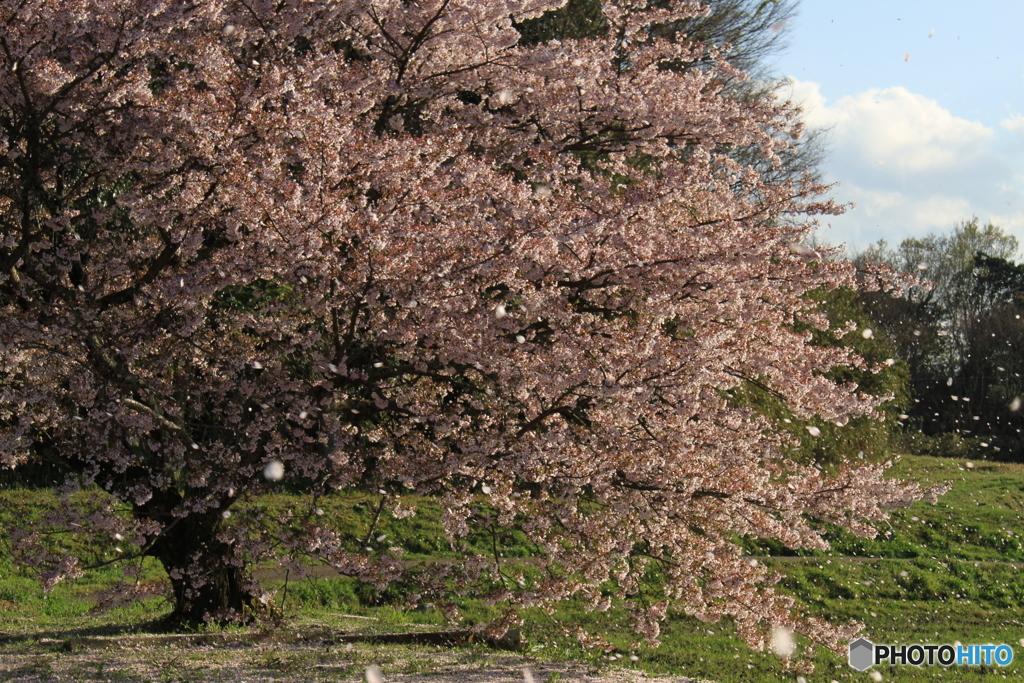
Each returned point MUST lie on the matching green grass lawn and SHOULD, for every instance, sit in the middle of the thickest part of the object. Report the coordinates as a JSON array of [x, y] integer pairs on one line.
[[936, 574]]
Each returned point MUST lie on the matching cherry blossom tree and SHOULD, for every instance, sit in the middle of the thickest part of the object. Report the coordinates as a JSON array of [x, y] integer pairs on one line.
[[382, 246]]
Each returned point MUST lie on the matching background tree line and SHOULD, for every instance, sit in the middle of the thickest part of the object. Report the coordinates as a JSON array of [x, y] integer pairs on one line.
[[959, 332]]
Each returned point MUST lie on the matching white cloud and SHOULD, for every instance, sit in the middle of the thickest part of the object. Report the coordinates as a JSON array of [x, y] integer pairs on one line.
[[807, 95], [892, 215], [895, 127], [1014, 124], [911, 167]]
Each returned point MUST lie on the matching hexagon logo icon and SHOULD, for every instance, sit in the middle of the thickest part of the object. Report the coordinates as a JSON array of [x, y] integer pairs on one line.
[[862, 654]]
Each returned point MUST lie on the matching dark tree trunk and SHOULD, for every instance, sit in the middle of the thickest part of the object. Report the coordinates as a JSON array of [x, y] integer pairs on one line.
[[207, 584]]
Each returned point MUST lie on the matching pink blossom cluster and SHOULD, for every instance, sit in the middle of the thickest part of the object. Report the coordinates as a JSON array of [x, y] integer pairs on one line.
[[386, 246]]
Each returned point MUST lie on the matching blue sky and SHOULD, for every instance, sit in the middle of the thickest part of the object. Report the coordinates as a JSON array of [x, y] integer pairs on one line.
[[924, 104]]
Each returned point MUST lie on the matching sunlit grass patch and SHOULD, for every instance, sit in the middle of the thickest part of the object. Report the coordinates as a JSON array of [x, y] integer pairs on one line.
[[936, 573]]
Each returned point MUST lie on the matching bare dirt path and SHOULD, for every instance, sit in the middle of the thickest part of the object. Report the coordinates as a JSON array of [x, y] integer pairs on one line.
[[143, 659]]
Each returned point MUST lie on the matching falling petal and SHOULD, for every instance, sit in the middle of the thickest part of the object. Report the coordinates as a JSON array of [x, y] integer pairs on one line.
[[906, 57], [499, 311], [868, 333], [520, 338], [273, 471], [782, 642], [803, 251], [373, 675], [527, 676], [1015, 404]]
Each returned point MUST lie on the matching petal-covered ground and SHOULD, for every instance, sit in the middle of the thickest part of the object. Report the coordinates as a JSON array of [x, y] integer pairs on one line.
[[132, 660]]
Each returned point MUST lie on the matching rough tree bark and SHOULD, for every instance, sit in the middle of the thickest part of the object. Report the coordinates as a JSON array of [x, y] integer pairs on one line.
[[206, 587]]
